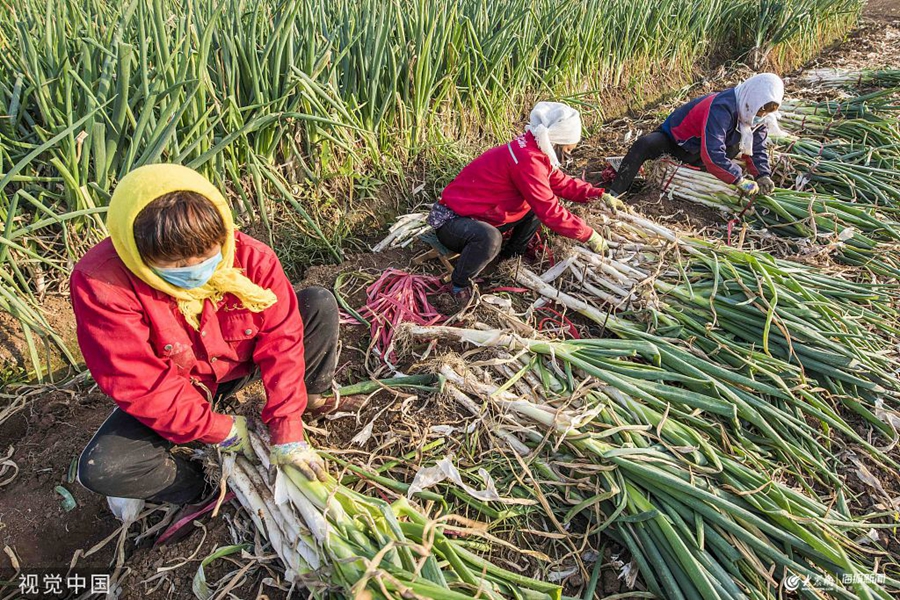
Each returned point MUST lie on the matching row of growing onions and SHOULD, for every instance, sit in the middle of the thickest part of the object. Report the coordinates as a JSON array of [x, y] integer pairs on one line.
[[340, 543], [287, 104], [702, 514]]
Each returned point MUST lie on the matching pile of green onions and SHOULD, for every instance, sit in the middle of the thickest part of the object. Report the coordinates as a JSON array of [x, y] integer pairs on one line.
[[847, 78], [342, 544], [874, 104], [404, 230], [800, 337], [856, 230], [870, 128], [701, 517], [864, 175]]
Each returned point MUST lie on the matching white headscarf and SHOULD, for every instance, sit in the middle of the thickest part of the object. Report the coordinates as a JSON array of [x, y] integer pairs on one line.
[[554, 123], [752, 95]]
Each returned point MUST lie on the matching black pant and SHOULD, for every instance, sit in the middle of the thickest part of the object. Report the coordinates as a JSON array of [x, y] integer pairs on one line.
[[127, 459], [653, 145], [478, 243]]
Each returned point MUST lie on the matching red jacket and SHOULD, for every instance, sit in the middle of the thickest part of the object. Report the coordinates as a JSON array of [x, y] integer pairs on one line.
[[157, 368], [506, 182]]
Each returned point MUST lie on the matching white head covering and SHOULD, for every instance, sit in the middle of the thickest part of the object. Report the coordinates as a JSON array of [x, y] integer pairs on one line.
[[752, 95], [554, 123]]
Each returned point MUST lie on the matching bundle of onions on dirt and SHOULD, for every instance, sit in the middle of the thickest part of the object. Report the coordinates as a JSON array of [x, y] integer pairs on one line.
[[849, 78], [772, 336], [340, 543], [860, 234]]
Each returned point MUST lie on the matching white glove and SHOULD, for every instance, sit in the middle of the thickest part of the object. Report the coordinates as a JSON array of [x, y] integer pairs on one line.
[[748, 186], [302, 456], [597, 243]]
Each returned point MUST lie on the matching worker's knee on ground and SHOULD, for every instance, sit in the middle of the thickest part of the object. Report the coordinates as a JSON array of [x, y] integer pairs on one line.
[[493, 242], [315, 298], [112, 468], [97, 471]]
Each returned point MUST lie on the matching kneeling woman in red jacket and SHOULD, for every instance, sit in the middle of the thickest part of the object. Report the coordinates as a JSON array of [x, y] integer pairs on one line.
[[176, 310], [514, 187], [711, 130]]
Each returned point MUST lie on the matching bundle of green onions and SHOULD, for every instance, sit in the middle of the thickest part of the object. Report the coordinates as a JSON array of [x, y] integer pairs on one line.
[[870, 129], [343, 544], [879, 102], [404, 230], [700, 518], [847, 78], [805, 340], [855, 230], [867, 176]]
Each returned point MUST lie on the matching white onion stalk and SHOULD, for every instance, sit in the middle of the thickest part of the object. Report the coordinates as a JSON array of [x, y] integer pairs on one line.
[[363, 542], [406, 229]]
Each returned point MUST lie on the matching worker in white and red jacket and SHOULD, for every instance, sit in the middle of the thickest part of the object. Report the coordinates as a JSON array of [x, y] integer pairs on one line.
[[711, 130], [515, 187]]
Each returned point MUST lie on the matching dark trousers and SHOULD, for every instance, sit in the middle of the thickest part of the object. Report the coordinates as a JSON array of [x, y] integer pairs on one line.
[[478, 243], [127, 459], [647, 147]]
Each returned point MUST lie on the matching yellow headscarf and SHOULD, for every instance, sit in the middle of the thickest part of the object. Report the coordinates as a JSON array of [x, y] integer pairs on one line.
[[144, 185]]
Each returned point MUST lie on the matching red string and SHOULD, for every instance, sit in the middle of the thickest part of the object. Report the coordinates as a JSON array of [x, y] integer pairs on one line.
[[737, 219], [608, 175], [174, 527], [562, 321], [537, 247], [398, 297]]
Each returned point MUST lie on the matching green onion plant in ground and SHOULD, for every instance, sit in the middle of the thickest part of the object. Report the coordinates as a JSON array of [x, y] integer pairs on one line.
[[288, 105]]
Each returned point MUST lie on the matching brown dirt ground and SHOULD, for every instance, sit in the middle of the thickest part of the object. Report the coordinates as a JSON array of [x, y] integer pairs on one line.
[[47, 436], [50, 432]]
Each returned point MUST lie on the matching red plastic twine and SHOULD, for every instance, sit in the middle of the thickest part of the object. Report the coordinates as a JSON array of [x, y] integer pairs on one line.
[[537, 247], [737, 219], [399, 297], [175, 527], [561, 321]]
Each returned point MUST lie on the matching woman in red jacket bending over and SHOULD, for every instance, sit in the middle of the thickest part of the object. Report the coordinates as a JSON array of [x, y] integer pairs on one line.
[[177, 310], [515, 187]]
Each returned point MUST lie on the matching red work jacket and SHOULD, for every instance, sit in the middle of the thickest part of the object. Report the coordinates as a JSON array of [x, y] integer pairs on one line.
[[160, 370], [502, 185]]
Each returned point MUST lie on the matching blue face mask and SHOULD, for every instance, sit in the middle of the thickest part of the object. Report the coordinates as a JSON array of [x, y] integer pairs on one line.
[[193, 276]]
